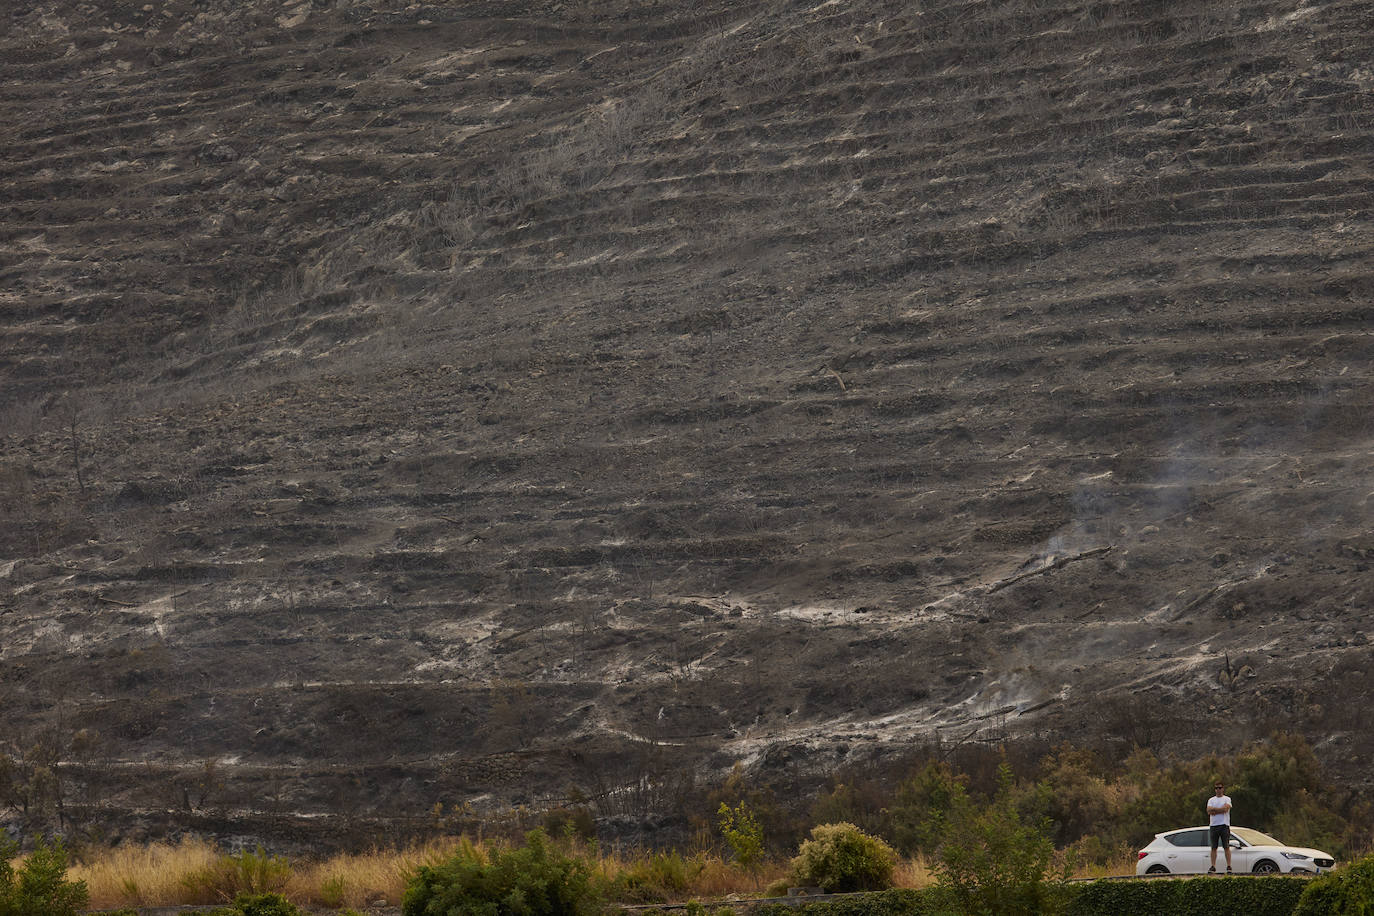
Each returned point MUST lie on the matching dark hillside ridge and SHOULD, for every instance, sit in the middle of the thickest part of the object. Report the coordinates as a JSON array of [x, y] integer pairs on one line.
[[452, 404]]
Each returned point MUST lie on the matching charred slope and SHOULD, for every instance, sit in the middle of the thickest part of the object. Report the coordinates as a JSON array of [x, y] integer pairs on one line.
[[415, 404]]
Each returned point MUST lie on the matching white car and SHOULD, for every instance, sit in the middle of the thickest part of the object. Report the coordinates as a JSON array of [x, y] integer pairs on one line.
[[1187, 852]]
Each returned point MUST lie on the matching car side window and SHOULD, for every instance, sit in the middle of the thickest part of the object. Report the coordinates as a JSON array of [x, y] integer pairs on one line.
[[1189, 838]]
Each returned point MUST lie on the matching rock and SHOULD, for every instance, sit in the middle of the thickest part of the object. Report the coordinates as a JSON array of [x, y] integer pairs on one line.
[[219, 152]]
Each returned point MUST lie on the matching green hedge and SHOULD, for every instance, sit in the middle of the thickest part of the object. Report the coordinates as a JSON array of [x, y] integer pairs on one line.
[[1277, 896], [1218, 896], [1346, 892], [897, 902]]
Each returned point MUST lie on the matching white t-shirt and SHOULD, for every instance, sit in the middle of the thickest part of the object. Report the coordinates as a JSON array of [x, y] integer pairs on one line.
[[1219, 817]]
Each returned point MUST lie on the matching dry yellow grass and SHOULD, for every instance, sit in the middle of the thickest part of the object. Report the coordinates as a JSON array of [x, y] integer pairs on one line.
[[359, 881], [914, 873], [162, 874], [151, 875]]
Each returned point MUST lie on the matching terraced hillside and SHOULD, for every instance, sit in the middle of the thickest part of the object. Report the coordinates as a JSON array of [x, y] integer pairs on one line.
[[452, 404]]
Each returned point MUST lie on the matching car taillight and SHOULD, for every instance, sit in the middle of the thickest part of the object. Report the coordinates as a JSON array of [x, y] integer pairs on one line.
[[1140, 855]]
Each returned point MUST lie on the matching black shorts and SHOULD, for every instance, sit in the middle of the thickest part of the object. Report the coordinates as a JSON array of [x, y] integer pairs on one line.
[[1220, 835]]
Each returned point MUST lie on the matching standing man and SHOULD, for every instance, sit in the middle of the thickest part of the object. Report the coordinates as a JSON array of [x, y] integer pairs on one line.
[[1219, 810]]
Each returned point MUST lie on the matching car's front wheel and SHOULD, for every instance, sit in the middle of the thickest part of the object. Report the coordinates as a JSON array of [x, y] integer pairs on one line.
[[1156, 870], [1265, 867]]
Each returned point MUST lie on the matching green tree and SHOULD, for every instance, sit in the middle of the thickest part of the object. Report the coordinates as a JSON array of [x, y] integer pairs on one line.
[[1076, 796], [1272, 774], [743, 834], [993, 861], [921, 802], [40, 887]]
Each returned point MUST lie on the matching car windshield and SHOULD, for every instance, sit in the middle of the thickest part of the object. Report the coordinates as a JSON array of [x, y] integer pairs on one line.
[[1254, 837]]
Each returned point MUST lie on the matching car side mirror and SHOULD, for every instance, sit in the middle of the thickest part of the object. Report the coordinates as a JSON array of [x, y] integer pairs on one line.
[[1234, 843]]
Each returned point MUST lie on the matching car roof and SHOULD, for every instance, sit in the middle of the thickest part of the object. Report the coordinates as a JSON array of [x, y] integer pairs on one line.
[[1199, 827], [1169, 833]]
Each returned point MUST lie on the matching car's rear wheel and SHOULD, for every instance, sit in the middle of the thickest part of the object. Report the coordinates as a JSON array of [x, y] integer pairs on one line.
[[1156, 870], [1265, 867]]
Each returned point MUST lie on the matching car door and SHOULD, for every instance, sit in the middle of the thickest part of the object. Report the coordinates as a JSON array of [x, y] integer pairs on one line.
[[1188, 852], [1242, 855]]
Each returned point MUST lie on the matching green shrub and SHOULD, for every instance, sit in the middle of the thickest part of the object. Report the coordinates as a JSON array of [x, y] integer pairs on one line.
[[992, 860], [841, 857], [264, 905], [1274, 896], [533, 880], [1346, 892], [250, 872], [40, 887], [658, 878], [332, 891], [570, 822]]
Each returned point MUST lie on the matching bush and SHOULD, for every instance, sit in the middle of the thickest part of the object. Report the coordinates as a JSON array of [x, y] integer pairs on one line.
[[659, 877], [841, 857], [264, 905], [40, 887], [1196, 897], [570, 822], [256, 905], [1347, 892], [534, 880], [251, 873]]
